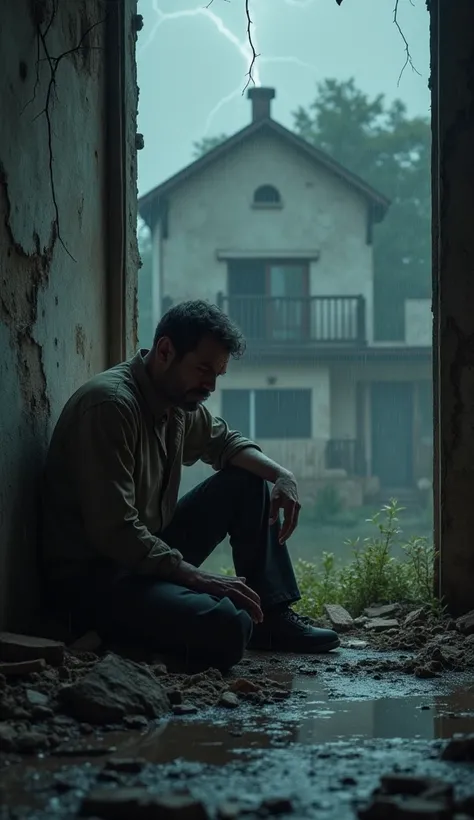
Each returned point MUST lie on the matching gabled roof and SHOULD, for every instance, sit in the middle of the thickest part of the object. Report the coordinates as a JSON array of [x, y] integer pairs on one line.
[[149, 204]]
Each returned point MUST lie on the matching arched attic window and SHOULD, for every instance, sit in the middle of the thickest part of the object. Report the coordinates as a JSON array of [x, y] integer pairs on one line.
[[267, 196]]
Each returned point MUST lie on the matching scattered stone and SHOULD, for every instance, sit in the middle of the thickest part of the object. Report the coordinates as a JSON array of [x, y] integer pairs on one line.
[[340, 618], [35, 698], [459, 749], [229, 811], [278, 805], [122, 804], [15, 648], [361, 620], [415, 617], [465, 624], [159, 669], [382, 610], [175, 696], [243, 685], [425, 672], [113, 688], [30, 741], [7, 737], [229, 699], [184, 709], [89, 642], [22, 667], [426, 787], [42, 713], [135, 722], [355, 643], [381, 624], [131, 765], [400, 808]]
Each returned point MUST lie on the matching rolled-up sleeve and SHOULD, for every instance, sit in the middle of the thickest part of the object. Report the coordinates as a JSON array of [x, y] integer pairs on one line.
[[106, 489], [209, 439]]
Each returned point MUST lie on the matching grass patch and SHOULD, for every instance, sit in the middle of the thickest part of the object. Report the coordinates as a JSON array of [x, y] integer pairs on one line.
[[374, 574]]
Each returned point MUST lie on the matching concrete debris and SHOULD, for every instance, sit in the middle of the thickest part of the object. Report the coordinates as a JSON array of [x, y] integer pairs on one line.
[[15, 648], [123, 803], [30, 741], [465, 624], [381, 610], [181, 709], [460, 749], [7, 738], [355, 643], [113, 688], [35, 698], [229, 699], [339, 617], [381, 624], [22, 668], [416, 616]]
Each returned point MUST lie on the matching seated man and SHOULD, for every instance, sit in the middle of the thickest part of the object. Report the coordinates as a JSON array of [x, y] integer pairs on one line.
[[122, 554]]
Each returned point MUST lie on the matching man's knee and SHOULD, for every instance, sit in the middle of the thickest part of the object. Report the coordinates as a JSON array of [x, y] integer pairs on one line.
[[229, 633], [244, 480]]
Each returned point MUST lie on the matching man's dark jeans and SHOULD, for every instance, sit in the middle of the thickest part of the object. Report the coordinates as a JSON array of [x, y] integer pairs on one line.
[[126, 607]]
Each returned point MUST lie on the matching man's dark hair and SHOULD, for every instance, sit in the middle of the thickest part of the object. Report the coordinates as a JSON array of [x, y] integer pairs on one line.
[[187, 323]]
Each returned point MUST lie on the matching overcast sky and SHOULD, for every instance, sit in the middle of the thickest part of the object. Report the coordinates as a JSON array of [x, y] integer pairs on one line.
[[193, 60]]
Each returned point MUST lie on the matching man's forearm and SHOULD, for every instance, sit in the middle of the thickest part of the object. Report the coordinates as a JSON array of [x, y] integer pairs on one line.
[[258, 463]]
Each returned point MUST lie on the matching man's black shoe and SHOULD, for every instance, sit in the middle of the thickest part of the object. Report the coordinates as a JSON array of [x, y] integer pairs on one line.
[[286, 631]]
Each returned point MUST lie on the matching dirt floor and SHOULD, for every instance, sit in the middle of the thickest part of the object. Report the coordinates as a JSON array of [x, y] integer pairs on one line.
[[100, 735]]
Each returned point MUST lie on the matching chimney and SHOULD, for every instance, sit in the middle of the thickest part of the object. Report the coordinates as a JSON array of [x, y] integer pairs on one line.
[[261, 102]]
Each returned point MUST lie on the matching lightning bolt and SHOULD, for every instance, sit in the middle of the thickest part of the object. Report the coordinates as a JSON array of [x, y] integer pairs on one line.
[[242, 46]]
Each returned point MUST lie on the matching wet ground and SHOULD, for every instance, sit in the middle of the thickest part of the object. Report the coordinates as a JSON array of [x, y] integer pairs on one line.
[[319, 753]]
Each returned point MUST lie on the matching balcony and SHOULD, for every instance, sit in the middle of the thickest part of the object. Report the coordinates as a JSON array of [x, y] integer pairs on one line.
[[310, 321]]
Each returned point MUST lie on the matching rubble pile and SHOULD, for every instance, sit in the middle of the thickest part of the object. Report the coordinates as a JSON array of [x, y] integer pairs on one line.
[[51, 696]]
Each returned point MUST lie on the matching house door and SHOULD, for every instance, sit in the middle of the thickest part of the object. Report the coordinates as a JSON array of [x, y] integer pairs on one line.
[[392, 433]]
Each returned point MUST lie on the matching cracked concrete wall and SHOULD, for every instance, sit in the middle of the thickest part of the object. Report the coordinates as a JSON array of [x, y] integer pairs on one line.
[[453, 283], [53, 296]]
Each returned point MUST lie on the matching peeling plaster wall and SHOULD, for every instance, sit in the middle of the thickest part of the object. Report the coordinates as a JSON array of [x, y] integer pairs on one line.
[[53, 318]]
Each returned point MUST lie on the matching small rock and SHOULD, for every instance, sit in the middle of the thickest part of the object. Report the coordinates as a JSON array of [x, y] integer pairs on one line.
[[465, 623], [122, 804], [402, 808], [41, 713], [184, 709], [175, 696], [159, 669], [30, 741], [229, 811], [135, 722], [425, 672], [243, 685], [459, 749], [22, 667], [131, 765], [381, 624], [17, 648], [35, 698], [229, 700], [361, 620], [415, 617], [355, 643], [113, 688], [340, 618], [416, 786], [382, 610], [19, 713], [278, 805], [7, 737]]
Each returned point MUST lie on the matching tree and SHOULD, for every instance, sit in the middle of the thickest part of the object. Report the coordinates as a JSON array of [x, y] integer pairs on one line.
[[207, 144], [391, 151]]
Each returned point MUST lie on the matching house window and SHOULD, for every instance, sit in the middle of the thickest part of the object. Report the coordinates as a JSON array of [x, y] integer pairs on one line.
[[267, 196], [268, 414], [269, 299]]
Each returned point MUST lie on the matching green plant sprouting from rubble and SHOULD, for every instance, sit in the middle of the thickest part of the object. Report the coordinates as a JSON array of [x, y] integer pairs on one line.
[[374, 574]]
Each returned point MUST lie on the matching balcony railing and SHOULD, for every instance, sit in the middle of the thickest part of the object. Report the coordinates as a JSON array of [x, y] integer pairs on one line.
[[273, 320], [345, 454]]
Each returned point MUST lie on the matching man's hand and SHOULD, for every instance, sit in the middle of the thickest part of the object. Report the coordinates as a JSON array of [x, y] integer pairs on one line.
[[221, 586], [285, 497]]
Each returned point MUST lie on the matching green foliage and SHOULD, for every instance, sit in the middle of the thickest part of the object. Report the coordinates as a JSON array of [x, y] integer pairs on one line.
[[205, 145], [391, 151], [374, 574]]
